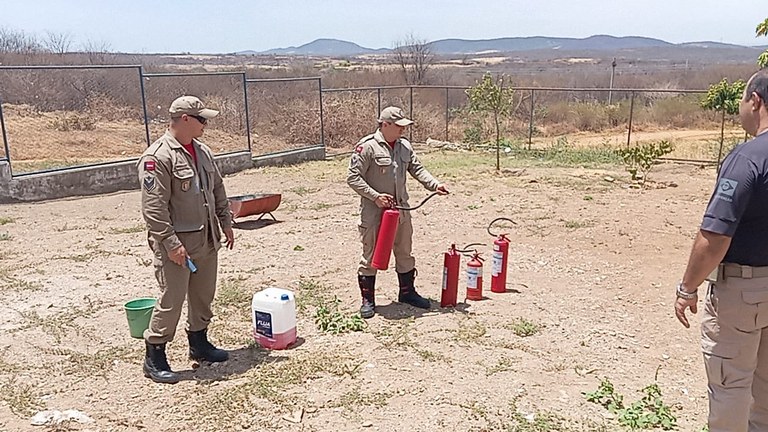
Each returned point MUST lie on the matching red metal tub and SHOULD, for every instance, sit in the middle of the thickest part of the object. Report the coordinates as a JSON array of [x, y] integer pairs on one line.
[[246, 205]]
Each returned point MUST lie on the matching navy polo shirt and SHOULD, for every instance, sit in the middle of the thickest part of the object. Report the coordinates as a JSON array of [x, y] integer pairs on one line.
[[738, 207]]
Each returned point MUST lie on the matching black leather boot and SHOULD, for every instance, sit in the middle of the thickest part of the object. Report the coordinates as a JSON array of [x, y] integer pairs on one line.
[[156, 365], [202, 350], [368, 293], [408, 292]]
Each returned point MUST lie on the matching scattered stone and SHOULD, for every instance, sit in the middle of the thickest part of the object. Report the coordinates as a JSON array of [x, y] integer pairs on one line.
[[367, 424], [295, 417], [55, 417]]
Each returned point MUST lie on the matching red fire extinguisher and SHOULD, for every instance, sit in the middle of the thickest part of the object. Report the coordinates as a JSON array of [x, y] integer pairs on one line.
[[385, 238], [475, 278], [451, 270], [451, 263], [499, 264], [500, 259]]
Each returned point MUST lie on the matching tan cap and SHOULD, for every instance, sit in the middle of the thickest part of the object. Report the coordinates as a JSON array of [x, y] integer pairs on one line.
[[191, 105], [394, 115]]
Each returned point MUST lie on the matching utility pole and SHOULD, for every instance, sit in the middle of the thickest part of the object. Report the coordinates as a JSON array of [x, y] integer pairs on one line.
[[610, 86]]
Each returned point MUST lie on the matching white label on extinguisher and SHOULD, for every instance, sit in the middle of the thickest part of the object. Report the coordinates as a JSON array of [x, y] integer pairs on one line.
[[445, 278], [473, 274], [497, 263]]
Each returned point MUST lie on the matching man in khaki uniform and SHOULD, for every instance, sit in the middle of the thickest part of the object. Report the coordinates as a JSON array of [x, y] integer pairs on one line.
[[184, 204], [732, 244], [377, 171]]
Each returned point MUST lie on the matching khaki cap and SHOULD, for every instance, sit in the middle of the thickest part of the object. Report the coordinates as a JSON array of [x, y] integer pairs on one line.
[[394, 115], [191, 105]]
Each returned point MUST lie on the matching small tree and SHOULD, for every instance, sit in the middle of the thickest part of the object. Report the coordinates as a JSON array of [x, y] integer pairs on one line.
[[762, 30], [490, 97], [96, 51], [58, 43], [725, 98], [415, 58], [640, 159]]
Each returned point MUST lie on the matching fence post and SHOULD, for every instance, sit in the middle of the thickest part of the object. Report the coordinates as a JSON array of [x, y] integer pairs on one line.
[[722, 140], [378, 101], [530, 121], [144, 103], [447, 114], [247, 112], [322, 118], [410, 131], [5, 136], [631, 114]]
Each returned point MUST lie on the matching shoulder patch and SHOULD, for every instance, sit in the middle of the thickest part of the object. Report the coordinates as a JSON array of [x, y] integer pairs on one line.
[[150, 183], [726, 186], [149, 165], [359, 148]]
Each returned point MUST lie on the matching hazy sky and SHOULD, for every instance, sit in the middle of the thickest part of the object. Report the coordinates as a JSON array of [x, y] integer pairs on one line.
[[227, 26]]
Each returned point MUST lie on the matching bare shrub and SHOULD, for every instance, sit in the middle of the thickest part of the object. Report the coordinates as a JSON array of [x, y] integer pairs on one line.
[[72, 122]]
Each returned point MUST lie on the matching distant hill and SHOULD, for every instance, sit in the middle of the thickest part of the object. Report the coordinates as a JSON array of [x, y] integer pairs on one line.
[[340, 48], [323, 47], [710, 44], [512, 44]]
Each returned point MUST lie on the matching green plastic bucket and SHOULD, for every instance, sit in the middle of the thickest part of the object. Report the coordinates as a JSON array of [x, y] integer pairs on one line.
[[139, 311]]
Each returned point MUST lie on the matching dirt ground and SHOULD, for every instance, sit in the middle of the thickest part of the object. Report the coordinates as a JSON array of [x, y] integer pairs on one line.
[[592, 271]]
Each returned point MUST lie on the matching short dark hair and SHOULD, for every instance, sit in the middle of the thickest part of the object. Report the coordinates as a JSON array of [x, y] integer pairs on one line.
[[759, 84]]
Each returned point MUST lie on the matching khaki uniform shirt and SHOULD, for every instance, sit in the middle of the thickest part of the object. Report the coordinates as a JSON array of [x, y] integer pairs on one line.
[[182, 202], [376, 168]]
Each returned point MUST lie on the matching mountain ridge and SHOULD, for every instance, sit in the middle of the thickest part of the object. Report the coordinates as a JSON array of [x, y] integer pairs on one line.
[[338, 47]]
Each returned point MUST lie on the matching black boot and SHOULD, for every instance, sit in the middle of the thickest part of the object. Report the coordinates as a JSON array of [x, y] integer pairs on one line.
[[368, 292], [201, 349], [408, 292], [156, 365]]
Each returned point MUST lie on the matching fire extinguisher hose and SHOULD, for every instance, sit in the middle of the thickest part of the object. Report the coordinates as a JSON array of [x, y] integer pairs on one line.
[[468, 249], [496, 220], [420, 204]]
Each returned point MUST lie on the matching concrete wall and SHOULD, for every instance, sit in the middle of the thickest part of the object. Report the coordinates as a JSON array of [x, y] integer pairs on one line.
[[290, 157], [90, 180]]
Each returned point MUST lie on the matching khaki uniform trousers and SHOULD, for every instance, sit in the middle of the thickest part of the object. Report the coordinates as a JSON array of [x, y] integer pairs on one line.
[[734, 341], [176, 284], [369, 230]]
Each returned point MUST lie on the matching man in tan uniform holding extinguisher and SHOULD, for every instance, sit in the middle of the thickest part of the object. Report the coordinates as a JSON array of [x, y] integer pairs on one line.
[[377, 172]]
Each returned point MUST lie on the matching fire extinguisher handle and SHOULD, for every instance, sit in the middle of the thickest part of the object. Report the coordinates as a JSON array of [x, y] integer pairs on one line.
[[420, 204], [496, 220]]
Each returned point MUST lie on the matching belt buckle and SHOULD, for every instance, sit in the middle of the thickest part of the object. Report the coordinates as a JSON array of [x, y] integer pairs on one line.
[[746, 272]]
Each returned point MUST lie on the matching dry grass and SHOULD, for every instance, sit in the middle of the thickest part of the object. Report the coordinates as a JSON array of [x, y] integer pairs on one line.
[[21, 398], [59, 325], [269, 381], [98, 363]]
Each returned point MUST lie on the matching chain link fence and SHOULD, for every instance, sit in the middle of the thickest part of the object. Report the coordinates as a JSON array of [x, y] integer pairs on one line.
[[228, 132], [285, 114], [541, 118], [57, 117], [63, 117]]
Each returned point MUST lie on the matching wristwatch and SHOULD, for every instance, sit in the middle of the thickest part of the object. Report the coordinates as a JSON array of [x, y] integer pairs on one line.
[[685, 295]]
